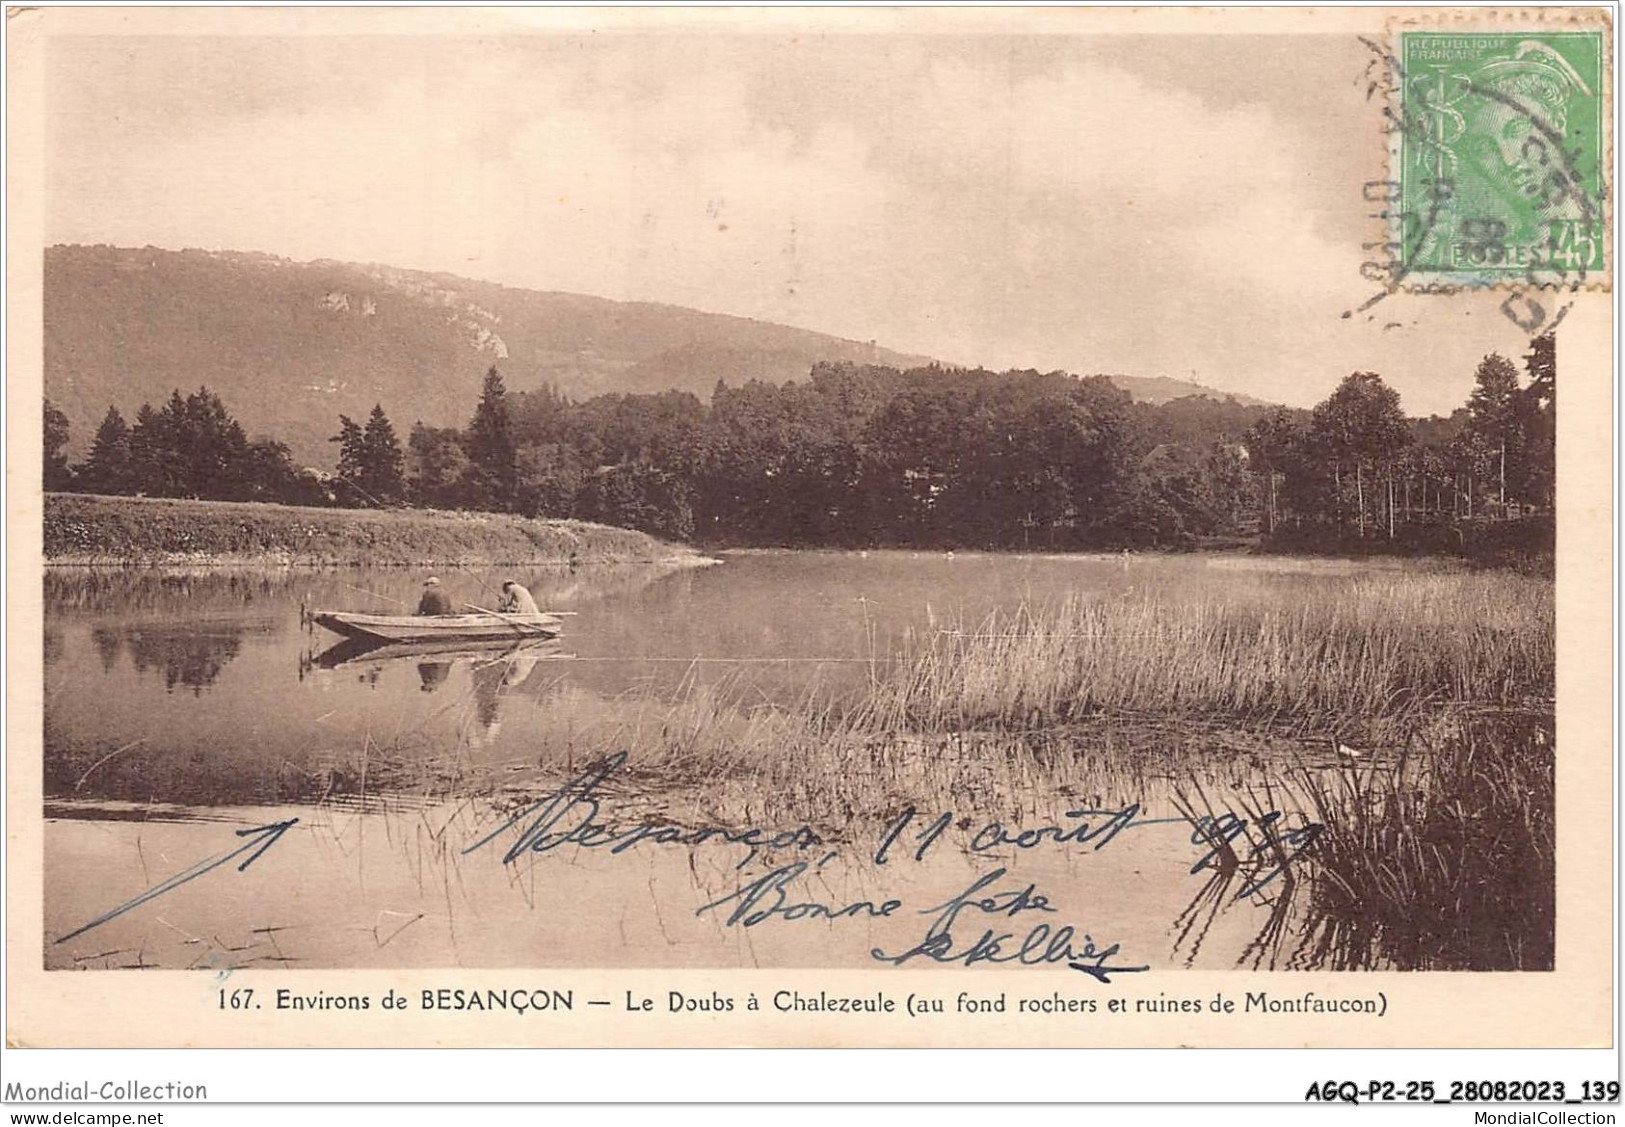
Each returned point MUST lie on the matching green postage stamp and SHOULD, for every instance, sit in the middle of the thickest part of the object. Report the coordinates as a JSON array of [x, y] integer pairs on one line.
[[1500, 158]]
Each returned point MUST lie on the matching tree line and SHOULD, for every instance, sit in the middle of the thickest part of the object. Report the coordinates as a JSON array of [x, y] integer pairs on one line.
[[189, 447], [1356, 466], [872, 456]]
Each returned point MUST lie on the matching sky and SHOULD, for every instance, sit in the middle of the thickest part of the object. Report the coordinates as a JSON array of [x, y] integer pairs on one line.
[[1186, 206]]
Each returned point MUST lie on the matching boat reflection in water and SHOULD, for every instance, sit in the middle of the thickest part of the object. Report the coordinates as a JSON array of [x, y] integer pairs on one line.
[[360, 651], [433, 674], [492, 678], [494, 666]]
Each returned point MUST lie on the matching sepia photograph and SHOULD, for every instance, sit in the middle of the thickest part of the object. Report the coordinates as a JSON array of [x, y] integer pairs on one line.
[[1026, 508]]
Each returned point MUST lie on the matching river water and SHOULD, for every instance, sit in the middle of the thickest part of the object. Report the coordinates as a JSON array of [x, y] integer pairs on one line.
[[184, 712]]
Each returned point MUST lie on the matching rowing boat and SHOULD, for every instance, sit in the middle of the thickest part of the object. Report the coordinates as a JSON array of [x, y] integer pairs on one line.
[[446, 627]]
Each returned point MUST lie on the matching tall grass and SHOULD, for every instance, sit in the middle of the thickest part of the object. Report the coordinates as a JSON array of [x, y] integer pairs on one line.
[[707, 755], [1445, 861], [1359, 657]]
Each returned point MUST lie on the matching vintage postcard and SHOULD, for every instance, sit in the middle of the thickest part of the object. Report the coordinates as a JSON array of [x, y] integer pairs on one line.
[[811, 528]]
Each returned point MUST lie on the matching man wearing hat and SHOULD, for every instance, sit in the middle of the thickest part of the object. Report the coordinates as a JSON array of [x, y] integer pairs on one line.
[[434, 600]]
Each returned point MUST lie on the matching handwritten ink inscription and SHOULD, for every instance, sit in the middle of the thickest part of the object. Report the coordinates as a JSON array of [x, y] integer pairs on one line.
[[995, 918]]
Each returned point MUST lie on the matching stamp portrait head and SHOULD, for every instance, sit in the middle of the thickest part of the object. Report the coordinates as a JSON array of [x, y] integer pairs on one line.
[[1523, 95]]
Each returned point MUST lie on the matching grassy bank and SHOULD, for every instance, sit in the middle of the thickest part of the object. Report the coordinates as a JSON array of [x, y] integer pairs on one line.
[[111, 531]]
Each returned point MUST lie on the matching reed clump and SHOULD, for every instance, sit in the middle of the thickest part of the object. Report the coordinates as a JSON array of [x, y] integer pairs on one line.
[[1445, 861], [1364, 656]]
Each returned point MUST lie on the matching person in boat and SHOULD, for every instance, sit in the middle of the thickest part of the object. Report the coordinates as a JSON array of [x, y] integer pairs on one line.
[[517, 600], [434, 600]]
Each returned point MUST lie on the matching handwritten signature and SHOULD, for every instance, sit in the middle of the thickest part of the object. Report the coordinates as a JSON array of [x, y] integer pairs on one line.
[[773, 897]]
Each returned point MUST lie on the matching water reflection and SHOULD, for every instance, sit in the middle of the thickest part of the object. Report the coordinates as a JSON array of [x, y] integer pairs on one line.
[[181, 656], [191, 657], [1266, 884], [363, 651], [488, 682], [128, 592], [415, 899], [495, 667], [108, 645], [1222, 884], [494, 677]]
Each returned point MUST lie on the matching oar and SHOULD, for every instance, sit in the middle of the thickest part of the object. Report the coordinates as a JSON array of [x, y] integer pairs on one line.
[[509, 619], [549, 613]]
